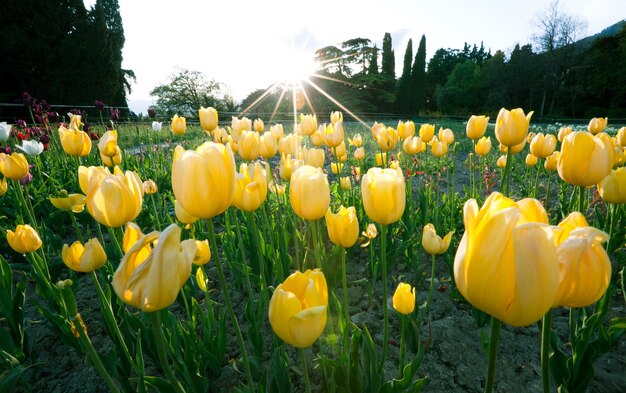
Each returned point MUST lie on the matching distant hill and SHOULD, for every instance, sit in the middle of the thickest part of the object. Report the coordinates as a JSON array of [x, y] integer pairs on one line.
[[607, 32]]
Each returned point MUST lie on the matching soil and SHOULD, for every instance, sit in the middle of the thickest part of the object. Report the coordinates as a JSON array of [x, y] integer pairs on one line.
[[454, 361]]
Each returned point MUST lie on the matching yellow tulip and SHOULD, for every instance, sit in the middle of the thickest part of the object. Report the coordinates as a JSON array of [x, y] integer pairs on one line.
[[619, 156], [204, 180], [249, 145], [151, 281], [268, 145], [404, 299], [476, 127], [297, 310], [501, 163], [585, 159], [251, 189], [483, 146], [278, 189], [531, 160], [406, 130], [317, 138], [314, 157], [529, 138], [183, 215], [563, 132], [620, 137], [73, 202], [75, 142], [336, 117], [612, 188], [427, 131], [240, 125], [438, 148], [343, 158], [412, 145], [340, 150], [384, 195], [359, 154], [287, 145], [585, 268], [278, 131], [387, 138], [114, 200], [220, 135], [84, 259], [25, 239], [203, 253], [506, 264], [258, 125], [201, 280], [345, 183], [381, 158], [208, 118], [287, 166], [179, 125], [356, 141], [333, 136], [552, 161], [308, 124], [75, 121], [4, 186], [514, 149], [512, 126], [597, 125], [150, 187], [108, 144], [114, 160], [309, 193], [343, 227], [572, 221], [14, 165], [446, 134], [542, 145], [432, 243]]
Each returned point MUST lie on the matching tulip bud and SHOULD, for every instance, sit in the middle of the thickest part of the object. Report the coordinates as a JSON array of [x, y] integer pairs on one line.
[[612, 188], [438, 148], [552, 160], [432, 243], [336, 168], [597, 125], [427, 131], [309, 193], [542, 145], [4, 186], [25, 239], [208, 118], [384, 195], [268, 145], [512, 126], [336, 117], [585, 160], [381, 158], [14, 166], [179, 125], [308, 124], [343, 227], [345, 183], [156, 126], [406, 130], [334, 135], [563, 132], [108, 144], [277, 131], [150, 187], [359, 154], [251, 189], [531, 160], [203, 253], [501, 163], [297, 310], [314, 157], [74, 142], [258, 125], [446, 134], [476, 127], [357, 140], [404, 299], [152, 112]]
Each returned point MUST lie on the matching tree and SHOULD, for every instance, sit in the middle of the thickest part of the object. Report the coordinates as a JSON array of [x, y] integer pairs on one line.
[[403, 87], [462, 91], [186, 91], [388, 72], [373, 66], [418, 78], [358, 51]]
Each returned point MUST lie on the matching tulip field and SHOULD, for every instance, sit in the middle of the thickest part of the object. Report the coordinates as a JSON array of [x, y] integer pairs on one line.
[[317, 255]]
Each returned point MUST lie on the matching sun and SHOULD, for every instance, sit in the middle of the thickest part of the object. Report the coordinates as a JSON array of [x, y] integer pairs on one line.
[[294, 66]]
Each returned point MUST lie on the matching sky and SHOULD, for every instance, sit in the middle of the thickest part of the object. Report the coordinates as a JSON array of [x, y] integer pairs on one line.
[[248, 45]]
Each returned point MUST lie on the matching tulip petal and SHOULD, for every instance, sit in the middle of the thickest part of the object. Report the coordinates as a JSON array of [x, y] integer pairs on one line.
[[306, 326]]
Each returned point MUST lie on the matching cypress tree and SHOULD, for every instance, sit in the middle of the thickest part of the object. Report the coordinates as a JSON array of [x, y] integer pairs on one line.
[[417, 90], [403, 88], [373, 66], [388, 74]]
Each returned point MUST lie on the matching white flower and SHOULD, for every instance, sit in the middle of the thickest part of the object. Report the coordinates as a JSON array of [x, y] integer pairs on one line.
[[5, 130], [156, 126], [32, 148]]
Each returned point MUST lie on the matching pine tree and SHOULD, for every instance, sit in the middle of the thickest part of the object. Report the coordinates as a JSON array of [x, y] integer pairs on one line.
[[403, 88], [418, 78]]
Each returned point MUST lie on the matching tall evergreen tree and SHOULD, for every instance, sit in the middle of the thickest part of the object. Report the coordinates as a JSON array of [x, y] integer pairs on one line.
[[388, 72], [403, 88], [418, 78], [373, 66]]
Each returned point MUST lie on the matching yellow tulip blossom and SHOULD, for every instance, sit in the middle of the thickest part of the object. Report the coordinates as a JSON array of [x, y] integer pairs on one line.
[[204, 180], [108, 144], [288, 165], [84, 259], [309, 193], [542, 145], [4, 186], [356, 140], [317, 138], [345, 183], [501, 163], [572, 221], [336, 168], [426, 133], [278, 131], [612, 188], [597, 125], [308, 124], [412, 145], [432, 243], [258, 125], [179, 125], [314, 157], [65, 201], [183, 215], [359, 154], [334, 134], [287, 144], [113, 200], [506, 265], [386, 138], [483, 146], [14, 165], [512, 126], [203, 253], [249, 145], [251, 189], [208, 118], [438, 148], [620, 137], [151, 280], [268, 147], [531, 160], [25, 239], [552, 161], [476, 127], [150, 187], [336, 117], [585, 159], [563, 132], [446, 134], [74, 142], [297, 310], [406, 130], [113, 160], [384, 195], [343, 227], [404, 299]]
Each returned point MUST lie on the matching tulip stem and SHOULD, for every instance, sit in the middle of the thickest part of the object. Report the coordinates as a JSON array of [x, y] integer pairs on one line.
[[546, 330], [159, 338], [383, 250], [494, 339], [76, 227], [316, 249], [432, 284], [93, 355], [229, 304], [535, 190], [115, 241], [612, 207], [504, 182], [471, 167], [242, 252], [305, 371], [257, 246], [402, 345], [155, 211], [345, 303], [581, 200]]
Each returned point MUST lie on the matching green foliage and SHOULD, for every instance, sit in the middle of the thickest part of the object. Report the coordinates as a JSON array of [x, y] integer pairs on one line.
[[403, 88], [418, 78], [186, 91]]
